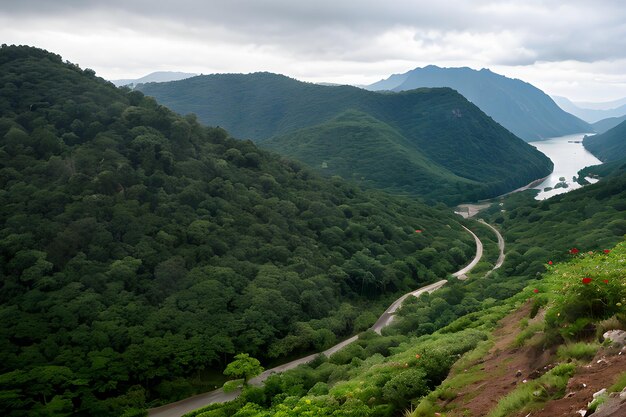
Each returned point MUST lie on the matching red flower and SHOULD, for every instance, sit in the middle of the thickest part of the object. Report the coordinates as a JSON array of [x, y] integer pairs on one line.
[[606, 251], [587, 280], [606, 281], [549, 262], [574, 251], [535, 290], [418, 231]]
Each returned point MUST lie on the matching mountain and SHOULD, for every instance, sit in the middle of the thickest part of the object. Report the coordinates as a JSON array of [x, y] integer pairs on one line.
[[140, 250], [603, 105], [595, 112], [155, 77], [608, 146], [518, 106], [406, 141], [603, 125]]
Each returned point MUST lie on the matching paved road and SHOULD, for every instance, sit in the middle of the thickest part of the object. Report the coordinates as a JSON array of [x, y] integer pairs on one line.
[[182, 407], [500, 260], [461, 274]]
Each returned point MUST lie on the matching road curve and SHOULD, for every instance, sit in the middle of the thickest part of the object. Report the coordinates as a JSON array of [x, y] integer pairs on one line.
[[461, 274], [187, 405], [500, 260]]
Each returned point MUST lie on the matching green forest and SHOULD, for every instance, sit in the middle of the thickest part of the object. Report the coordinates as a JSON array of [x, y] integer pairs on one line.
[[140, 251], [457, 152], [609, 146], [403, 371]]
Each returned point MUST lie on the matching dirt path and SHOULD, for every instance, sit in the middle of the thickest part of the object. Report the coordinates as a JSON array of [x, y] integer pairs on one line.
[[182, 407], [505, 367]]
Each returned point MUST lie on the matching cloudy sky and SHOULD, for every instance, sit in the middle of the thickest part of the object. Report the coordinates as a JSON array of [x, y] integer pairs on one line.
[[572, 48]]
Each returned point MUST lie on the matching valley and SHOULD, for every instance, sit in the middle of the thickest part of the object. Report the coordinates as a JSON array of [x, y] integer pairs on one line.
[[161, 240], [183, 407]]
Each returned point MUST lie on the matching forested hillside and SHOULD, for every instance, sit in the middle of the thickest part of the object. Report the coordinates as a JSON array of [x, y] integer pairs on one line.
[[609, 146], [406, 370], [521, 107], [456, 152], [140, 250]]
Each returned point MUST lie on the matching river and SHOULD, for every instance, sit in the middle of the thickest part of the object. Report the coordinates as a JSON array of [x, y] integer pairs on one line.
[[568, 157]]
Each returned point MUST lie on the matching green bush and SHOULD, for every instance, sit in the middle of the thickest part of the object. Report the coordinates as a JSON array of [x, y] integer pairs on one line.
[[586, 290], [583, 351]]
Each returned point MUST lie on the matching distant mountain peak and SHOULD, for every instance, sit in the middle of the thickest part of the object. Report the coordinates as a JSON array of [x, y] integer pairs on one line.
[[155, 77], [517, 105]]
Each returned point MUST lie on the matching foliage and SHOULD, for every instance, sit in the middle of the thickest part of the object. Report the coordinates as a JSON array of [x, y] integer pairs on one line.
[[140, 250], [426, 142], [608, 146], [580, 350], [243, 366], [374, 386], [537, 232], [588, 289]]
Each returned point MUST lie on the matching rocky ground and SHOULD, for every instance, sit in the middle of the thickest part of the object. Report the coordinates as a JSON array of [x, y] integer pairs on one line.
[[505, 367]]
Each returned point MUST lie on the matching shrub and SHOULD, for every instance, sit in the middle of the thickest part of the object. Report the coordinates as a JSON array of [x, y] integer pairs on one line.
[[587, 290], [581, 351]]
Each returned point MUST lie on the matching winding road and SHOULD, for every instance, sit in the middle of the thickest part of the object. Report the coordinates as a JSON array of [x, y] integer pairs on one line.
[[500, 260], [187, 405]]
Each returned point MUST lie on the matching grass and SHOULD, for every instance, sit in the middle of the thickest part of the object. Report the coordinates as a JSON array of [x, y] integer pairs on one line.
[[531, 395], [579, 351], [527, 333], [619, 385]]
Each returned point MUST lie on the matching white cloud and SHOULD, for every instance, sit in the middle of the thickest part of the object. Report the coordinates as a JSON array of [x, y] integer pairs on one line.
[[575, 48]]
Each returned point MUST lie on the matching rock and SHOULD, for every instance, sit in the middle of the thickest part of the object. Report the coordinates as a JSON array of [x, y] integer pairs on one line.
[[617, 337], [599, 393]]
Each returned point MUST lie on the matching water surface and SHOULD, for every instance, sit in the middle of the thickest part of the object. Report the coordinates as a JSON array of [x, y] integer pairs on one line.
[[568, 158]]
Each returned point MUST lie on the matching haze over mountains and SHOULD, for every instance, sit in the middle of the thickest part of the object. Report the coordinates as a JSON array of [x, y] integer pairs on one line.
[[154, 77], [519, 106], [429, 142], [593, 112]]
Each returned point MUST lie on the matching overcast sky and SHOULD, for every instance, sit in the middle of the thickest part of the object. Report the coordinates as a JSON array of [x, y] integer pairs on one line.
[[572, 48]]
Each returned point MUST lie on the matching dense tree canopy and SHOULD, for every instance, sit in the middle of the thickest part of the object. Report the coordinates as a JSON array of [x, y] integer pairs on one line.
[[427, 142], [139, 250]]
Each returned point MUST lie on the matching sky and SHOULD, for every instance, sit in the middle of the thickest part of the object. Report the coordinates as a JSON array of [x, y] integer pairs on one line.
[[572, 48]]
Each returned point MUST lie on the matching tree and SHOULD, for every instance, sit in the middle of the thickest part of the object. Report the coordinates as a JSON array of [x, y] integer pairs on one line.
[[244, 367]]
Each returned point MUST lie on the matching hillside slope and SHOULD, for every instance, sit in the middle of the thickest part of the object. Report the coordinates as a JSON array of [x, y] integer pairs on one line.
[[609, 146], [453, 134], [520, 107], [140, 250], [604, 125]]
